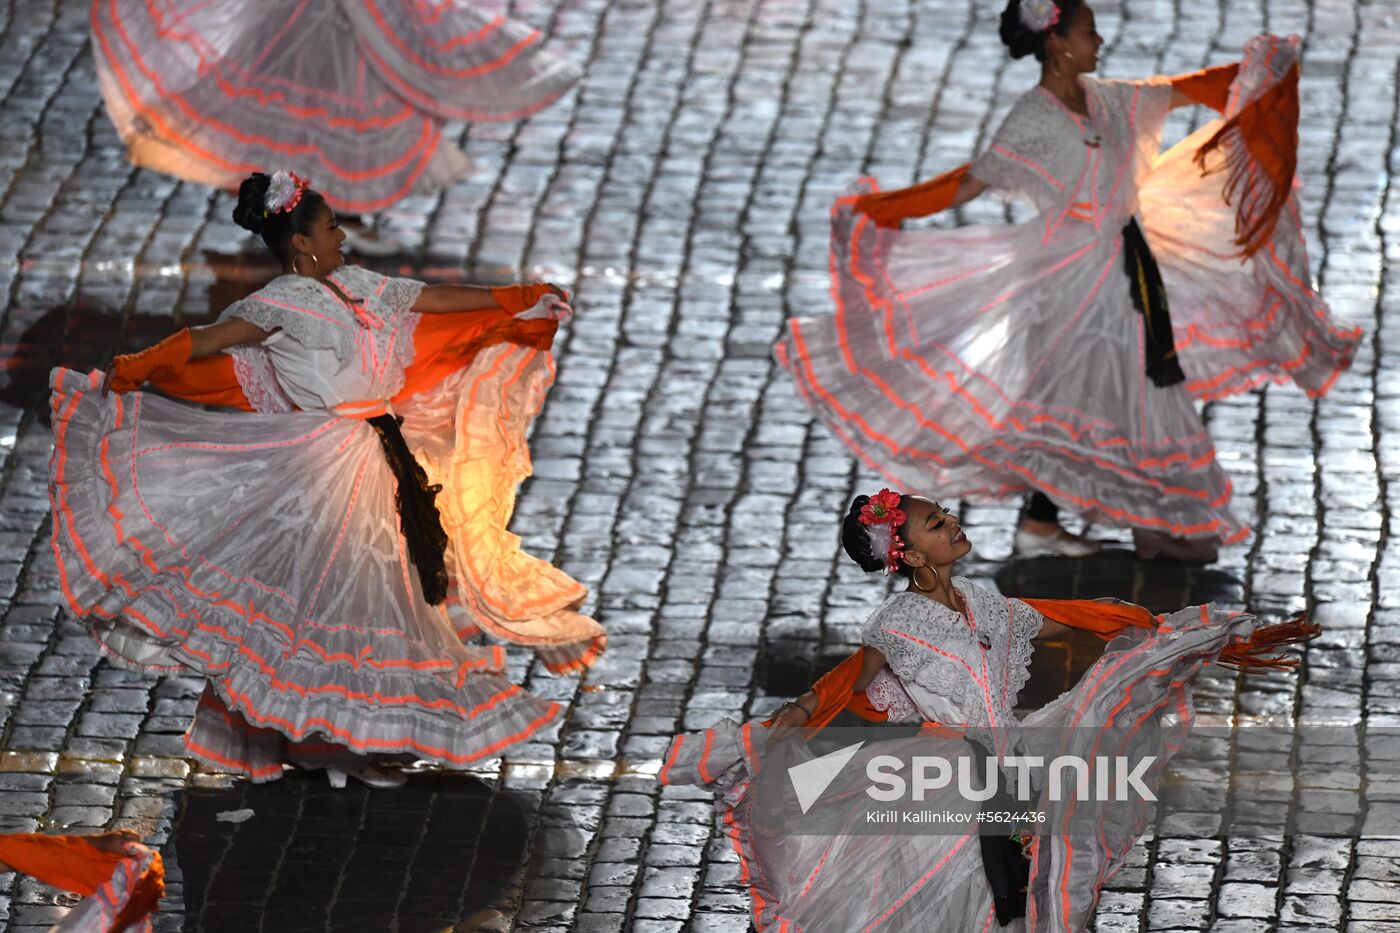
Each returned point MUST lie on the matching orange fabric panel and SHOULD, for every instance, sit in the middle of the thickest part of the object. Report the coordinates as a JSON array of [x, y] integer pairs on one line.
[[208, 381], [1209, 87], [72, 863], [518, 298], [445, 343], [836, 692], [1259, 180], [1104, 619], [888, 208], [130, 370]]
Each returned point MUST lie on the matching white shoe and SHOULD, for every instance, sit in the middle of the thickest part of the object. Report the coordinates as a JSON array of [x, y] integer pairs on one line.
[[376, 246], [1059, 544]]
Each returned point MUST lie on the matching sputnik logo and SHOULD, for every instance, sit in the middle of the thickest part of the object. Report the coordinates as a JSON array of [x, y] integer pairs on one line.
[[811, 778]]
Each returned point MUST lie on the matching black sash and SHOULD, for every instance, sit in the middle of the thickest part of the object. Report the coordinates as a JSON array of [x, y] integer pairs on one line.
[[1007, 867], [418, 514], [1150, 300]]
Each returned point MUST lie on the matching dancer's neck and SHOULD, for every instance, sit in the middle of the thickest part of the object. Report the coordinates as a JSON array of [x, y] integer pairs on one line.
[[942, 592], [1067, 90]]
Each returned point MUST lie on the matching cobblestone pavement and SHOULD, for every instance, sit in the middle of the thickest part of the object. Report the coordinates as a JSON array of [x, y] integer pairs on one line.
[[683, 190]]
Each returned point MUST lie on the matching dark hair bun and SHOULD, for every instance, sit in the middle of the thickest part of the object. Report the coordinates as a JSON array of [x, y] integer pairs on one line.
[[856, 542], [1021, 41], [250, 212]]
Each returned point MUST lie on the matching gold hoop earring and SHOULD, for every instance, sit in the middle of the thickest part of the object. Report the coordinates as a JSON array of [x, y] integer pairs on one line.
[[315, 265], [914, 578]]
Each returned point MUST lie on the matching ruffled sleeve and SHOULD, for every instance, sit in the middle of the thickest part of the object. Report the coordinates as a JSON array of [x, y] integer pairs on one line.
[[1000, 165], [1137, 112], [1148, 103], [1023, 625], [928, 658], [384, 295], [302, 309]]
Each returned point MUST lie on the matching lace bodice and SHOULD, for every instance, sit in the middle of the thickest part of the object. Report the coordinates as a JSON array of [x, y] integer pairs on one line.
[[324, 352], [1059, 159], [938, 658]]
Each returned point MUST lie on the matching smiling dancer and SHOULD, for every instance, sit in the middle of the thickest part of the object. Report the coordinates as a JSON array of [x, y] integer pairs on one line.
[[320, 556], [948, 652], [1042, 357], [351, 91]]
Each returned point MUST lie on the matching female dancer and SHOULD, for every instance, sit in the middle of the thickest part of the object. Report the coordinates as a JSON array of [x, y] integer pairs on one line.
[[991, 360], [352, 90], [298, 556], [949, 652]]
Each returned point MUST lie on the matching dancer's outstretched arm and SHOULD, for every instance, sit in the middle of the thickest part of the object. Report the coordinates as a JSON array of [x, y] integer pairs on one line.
[[969, 188], [800, 711], [1049, 629], [447, 299], [951, 189], [129, 371], [209, 339]]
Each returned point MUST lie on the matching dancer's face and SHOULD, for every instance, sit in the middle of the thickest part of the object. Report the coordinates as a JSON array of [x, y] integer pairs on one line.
[[323, 242], [1077, 51], [932, 537]]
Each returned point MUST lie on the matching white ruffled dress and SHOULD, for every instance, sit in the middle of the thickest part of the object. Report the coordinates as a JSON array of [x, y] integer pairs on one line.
[[351, 93], [263, 550], [1135, 700], [994, 360]]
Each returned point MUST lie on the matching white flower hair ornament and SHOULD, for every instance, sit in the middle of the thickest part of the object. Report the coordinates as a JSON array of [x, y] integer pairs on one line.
[[1039, 15], [284, 192]]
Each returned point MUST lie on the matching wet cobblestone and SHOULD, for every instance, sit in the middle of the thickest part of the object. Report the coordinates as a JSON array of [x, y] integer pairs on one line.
[[683, 192]]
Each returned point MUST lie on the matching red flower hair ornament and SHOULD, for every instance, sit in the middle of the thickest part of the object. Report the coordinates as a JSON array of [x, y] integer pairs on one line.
[[882, 517]]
